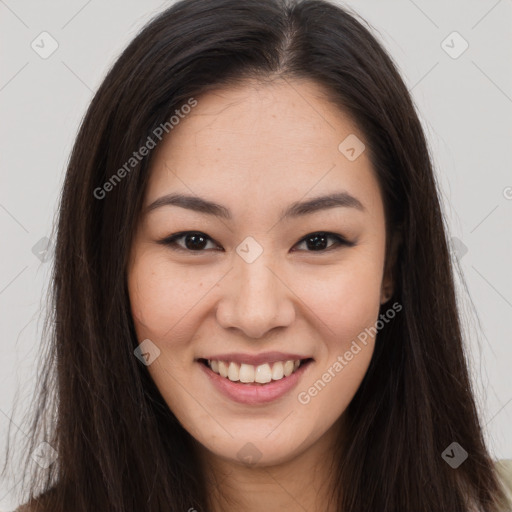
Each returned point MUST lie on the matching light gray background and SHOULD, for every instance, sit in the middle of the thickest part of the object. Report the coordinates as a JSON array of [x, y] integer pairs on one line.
[[465, 104]]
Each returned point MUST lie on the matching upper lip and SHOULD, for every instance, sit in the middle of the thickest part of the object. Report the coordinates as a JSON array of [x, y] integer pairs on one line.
[[256, 359]]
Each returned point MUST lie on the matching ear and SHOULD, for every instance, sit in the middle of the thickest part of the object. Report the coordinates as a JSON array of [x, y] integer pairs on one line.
[[389, 277]]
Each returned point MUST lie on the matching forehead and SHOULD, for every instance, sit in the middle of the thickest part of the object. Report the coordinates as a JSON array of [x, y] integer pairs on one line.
[[262, 143]]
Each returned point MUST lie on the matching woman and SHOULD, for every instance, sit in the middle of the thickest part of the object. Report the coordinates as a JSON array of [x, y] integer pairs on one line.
[[254, 300]]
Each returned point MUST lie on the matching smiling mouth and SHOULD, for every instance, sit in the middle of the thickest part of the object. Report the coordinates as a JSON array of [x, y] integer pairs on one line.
[[252, 374]]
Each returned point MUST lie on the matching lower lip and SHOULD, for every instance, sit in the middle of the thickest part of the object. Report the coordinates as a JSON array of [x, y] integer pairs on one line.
[[253, 394]]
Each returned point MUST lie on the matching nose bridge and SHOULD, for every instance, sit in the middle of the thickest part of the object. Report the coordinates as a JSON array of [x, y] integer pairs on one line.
[[256, 300], [257, 283]]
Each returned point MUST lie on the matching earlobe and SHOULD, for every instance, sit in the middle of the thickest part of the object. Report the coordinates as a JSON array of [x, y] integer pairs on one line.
[[386, 295], [387, 287], [388, 281]]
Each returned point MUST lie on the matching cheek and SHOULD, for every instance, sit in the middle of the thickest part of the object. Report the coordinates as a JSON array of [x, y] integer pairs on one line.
[[347, 301], [348, 307], [347, 298], [153, 296], [162, 295]]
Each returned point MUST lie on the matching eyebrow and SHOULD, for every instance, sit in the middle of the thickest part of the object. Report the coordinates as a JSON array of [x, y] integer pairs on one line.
[[297, 209]]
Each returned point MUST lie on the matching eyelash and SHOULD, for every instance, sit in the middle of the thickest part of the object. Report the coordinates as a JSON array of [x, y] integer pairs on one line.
[[170, 241]]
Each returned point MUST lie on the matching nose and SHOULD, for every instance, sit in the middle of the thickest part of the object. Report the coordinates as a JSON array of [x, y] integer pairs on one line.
[[255, 298]]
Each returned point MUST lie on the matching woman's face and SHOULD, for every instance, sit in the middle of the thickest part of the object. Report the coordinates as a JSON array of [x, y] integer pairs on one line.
[[251, 286]]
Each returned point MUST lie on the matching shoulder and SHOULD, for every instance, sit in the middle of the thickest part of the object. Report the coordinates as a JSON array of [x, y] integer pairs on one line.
[[504, 470], [39, 504], [24, 508], [29, 507], [33, 506]]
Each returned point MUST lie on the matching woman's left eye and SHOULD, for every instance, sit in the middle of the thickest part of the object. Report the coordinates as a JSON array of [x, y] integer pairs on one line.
[[195, 241], [318, 241]]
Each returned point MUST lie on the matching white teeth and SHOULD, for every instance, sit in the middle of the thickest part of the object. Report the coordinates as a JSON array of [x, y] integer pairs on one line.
[[233, 371], [263, 374], [288, 368], [277, 371], [248, 373], [223, 369]]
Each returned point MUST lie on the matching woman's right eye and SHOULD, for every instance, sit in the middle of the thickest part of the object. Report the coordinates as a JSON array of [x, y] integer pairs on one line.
[[193, 241]]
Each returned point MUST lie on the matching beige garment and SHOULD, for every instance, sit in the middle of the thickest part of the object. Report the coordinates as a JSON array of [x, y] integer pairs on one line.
[[504, 468]]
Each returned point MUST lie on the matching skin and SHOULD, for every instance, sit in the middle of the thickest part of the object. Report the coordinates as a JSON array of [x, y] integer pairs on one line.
[[256, 149]]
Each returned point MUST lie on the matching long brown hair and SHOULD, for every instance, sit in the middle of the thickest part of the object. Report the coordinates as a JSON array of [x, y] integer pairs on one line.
[[119, 446]]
